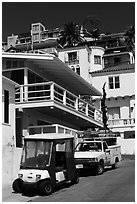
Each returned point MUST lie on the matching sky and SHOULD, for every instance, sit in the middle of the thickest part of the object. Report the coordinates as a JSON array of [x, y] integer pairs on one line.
[[18, 16]]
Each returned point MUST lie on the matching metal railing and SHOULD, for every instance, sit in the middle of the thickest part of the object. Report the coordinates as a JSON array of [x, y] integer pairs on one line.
[[72, 62], [121, 122], [48, 91]]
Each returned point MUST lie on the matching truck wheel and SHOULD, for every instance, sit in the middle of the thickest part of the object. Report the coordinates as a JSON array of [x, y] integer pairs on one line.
[[76, 179], [17, 185], [100, 168], [45, 188]]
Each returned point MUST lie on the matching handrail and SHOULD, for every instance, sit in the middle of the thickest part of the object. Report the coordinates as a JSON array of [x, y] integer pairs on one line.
[[121, 122]]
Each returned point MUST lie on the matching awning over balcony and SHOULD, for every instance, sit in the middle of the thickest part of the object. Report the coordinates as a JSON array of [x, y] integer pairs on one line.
[[55, 70]]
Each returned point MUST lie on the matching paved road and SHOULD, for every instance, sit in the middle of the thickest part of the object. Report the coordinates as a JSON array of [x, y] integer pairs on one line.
[[113, 186]]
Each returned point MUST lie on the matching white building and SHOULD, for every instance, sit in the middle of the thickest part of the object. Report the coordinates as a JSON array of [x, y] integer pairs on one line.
[[83, 59], [48, 94], [120, 89], [96, 67]]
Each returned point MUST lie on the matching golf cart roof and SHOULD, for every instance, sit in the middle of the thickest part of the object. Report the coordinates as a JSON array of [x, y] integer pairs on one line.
[[90, 141], [50, 136]]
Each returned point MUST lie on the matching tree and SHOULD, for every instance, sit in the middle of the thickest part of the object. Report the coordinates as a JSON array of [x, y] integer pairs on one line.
[[91, 23], [104, 108], [130, 38], [71, 35]]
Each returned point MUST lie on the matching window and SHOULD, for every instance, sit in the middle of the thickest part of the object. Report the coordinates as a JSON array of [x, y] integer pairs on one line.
[[14, 64], [78, 69], [97, 59], [113, 113], [35, 37], [114, 82], [50, 35], [6, 106], [72, 56], [35, 27], [129, 135], [88, 57], [117, 84], [117, 60]]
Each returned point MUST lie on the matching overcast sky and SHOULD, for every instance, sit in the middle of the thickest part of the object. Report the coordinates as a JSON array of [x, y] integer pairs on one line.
[[18, 16]]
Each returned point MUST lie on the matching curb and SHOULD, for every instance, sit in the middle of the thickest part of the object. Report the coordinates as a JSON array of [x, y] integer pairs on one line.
[[128, 157]]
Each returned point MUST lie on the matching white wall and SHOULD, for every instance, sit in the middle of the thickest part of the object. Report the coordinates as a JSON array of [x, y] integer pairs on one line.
[[8, 134], [85, 65], [127, 84], [95, 50], [83, 60], [127, 145]]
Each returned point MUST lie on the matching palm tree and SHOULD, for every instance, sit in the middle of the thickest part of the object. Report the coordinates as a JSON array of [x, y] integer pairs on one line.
[[71, 35], [130, 38]]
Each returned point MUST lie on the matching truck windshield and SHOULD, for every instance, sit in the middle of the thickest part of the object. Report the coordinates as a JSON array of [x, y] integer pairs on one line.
[[93, 146], [36, 154]]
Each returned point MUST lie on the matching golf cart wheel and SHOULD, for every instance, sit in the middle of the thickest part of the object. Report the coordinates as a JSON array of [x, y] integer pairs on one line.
[[100, 168], [76, 179], [45, 188], [17, 185]]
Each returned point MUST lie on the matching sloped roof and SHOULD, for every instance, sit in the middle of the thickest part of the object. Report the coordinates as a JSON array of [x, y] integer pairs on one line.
[[122, 67]]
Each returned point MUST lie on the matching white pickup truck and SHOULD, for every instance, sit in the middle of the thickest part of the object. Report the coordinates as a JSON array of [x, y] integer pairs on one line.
[[96, 154]]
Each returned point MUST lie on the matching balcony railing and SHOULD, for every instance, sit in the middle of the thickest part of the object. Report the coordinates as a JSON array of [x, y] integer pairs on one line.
[[49, 91], [72, 62], [121, 122], [55, 128], [116, 64]]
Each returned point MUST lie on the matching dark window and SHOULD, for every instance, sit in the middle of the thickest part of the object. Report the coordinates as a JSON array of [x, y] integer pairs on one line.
[[78, 70], [6, 106], [117, 84], [117, 60], [114, 82], [15, 64], [72, 56], [129, 134], [111, 86], [50, 35], [8, 64], [97, 59], [104, 146], [18, 132]]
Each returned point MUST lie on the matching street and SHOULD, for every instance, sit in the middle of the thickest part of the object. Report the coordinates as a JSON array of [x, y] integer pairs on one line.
[[116, 185]]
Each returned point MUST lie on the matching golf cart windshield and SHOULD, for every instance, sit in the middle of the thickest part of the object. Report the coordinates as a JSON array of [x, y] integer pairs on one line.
[[36, 154], [93, 146]]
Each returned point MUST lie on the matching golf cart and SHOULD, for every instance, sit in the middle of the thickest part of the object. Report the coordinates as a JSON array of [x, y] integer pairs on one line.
[[47, 160]]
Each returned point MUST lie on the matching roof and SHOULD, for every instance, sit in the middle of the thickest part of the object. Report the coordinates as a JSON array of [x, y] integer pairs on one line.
[[50, 136], [52, 68], [122, 67]]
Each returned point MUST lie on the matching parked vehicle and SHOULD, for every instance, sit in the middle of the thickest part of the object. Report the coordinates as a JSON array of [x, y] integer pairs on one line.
[[96, 154], [47, 161]]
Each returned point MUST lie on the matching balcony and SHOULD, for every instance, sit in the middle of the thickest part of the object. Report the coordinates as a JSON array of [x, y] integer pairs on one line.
[[127, 122], [50, 94], [72, 62], [56, 128], [116, 64]]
